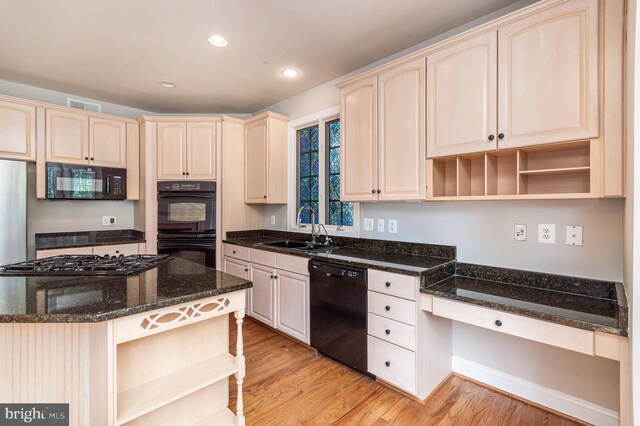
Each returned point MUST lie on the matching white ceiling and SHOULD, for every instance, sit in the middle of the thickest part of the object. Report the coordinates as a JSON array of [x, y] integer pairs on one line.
[[118, 50]]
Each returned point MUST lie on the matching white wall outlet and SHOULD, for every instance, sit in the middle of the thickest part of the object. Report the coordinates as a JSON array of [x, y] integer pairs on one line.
[[108, 220], [393, 226], [547, 233], [368, 224], [380, 225], [273, 220], [520, 232], [574, 235]]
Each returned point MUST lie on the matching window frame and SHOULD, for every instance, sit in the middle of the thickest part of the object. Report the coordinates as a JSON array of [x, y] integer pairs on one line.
[[320, 119]]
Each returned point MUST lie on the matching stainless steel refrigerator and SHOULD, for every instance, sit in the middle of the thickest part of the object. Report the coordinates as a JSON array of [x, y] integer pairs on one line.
[[13, 211]]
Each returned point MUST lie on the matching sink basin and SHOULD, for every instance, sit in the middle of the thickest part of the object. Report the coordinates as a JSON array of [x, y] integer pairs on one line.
[[289, 244]]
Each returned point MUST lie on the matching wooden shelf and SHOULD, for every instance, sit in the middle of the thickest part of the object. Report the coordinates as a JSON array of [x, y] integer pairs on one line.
[[560, 171], [222, 417], [138, 401]]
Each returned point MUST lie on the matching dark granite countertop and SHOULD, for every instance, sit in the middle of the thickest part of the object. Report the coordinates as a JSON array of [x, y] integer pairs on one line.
[[59, 240], [402, 258], [100, 298], [583, 303]]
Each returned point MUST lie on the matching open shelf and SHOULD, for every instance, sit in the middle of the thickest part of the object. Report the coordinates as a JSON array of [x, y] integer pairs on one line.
[[445, 177], [502, 173], [138, 401], [567, 170], [471, 175]]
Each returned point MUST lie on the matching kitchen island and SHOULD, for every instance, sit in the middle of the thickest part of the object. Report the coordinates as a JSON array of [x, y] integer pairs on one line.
[[146, 348]]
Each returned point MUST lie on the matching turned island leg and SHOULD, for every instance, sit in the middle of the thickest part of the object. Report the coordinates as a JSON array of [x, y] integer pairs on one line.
[[241, 368]]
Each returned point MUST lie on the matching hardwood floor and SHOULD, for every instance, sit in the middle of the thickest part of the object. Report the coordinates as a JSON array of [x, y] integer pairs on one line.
[[288, 384]]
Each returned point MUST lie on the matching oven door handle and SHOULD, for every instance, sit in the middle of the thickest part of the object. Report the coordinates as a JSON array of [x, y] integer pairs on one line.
[[167, 245], [185, 195]]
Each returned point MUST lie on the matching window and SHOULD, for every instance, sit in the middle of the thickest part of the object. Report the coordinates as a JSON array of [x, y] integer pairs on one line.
[[317, 149]]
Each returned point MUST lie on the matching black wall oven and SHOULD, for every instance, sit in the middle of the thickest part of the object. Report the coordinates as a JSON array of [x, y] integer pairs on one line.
[[187, 220]]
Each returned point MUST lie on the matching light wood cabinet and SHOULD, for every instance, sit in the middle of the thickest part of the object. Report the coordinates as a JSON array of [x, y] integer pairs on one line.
[[548, 68], [462, 97], [292, 304], [263, 294], [239, 268], [266, 170], [359, 141], [111, 250], [186, 150], [107, 142], [383, 136], [67, 137], [17, 131]]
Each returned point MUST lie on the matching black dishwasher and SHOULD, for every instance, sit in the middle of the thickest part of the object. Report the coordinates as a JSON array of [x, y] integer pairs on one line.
[[339, 313]]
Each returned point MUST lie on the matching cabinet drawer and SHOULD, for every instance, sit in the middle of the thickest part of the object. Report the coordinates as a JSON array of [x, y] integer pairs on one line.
[[297, 264], [392, 331], [262, 257], [392, 364], [393, 284], [571, 338], [237, 252], [116, 250], [392, 307]]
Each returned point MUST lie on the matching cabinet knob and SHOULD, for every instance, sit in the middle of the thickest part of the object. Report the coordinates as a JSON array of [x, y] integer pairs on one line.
[[86, 158], [373, 191], [246, 269], [264, 196], [491, 137], [91, 158], [272, 277], [275, 277], [117, 251], [234, 252], [388, 284], [184, 173], [388, 364], [499, 323], [501, 136], [378, 191], [388, 331], [388, 308], [187, 173]]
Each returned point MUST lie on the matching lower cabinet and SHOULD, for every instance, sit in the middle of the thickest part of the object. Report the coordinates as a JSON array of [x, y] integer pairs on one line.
[[111, 250], [292, 296], [263, 294]]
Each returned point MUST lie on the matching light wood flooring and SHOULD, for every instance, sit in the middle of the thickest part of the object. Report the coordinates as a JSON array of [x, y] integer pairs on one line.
[[288, 384]]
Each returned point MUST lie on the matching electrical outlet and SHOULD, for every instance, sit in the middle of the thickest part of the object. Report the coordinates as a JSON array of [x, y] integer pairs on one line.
[[380, 225], [108, 220], [393, 226], [368, 224], [520, 232], [574, 235], [547, 233], [273, 220]]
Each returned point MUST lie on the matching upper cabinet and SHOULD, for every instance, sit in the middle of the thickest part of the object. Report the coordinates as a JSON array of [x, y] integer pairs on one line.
[[461, 97], [17, 131], [548, 68], [266, 172], [186, 150], [77, 138], [383, 135]]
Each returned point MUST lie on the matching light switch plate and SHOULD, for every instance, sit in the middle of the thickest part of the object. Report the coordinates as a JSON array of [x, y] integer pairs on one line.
[[368, 224], [547, 233], [380, 225], [393, 226], [520, 232], [574, 235], [273, 220]]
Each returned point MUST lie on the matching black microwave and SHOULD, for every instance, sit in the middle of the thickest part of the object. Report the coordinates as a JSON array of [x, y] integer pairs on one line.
[[77, 182]]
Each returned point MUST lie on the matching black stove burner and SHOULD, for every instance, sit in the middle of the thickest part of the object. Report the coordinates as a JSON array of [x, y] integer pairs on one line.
[[86, 265]]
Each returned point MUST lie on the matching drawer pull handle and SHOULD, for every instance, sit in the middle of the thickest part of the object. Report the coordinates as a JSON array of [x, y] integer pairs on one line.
[[388, 308], [388, 284], [388, 331], [499, 323], [388, 364]]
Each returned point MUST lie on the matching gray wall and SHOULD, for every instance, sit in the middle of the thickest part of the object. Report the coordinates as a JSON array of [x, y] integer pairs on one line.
[[483, 233]]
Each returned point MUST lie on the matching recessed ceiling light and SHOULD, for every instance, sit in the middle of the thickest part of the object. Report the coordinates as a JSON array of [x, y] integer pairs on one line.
[[167, 84], [218, 41], [290, 72]]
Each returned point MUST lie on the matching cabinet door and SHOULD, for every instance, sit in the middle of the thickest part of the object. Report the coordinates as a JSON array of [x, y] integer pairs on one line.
[[60, 252], [256, 162], [359, 141], [107, 142], [239, 269], [201, 151], [67, 137], [292, 305], [262, 294], [117, 250], [172, 146], [461, 97], [17, 131], [401, 172], [548, 67]]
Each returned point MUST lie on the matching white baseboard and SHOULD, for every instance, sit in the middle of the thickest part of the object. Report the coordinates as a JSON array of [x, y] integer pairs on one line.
[[558, 401]]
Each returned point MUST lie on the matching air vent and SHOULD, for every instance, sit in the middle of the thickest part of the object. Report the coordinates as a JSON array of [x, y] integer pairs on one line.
[[87, 106]]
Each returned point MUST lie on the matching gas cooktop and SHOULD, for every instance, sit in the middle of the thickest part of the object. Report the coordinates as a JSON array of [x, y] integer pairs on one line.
[[85, 265]]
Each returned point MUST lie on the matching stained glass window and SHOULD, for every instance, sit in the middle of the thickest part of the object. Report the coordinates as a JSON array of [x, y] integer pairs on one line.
[[308, 164], [337, 213]]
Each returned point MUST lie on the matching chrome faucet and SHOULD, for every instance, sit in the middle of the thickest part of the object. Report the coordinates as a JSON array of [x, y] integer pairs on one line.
[[327, 238], [313, 220]]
